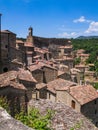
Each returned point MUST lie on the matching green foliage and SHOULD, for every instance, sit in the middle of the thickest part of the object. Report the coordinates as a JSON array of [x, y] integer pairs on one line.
[[78, 125], [95, 85], [4, 103], [35, 120], [77, 60]]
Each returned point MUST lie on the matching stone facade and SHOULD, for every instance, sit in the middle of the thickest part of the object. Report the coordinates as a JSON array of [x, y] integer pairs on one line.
[[15, 97], [83, 99], [8, 40], [38, 75]]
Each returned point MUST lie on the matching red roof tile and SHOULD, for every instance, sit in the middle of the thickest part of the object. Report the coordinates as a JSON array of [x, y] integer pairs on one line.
[[84, 93], [59, 84]]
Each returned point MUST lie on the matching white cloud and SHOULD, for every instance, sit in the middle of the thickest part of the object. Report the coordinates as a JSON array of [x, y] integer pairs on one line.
[[93, 27], [81, 20], [67, 35]]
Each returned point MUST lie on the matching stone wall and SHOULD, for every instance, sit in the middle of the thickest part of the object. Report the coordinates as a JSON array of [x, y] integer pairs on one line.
[[30, 86], [65, 76], [16, 99], [49, 74], [38, 75], [66, 98], [90, 110]]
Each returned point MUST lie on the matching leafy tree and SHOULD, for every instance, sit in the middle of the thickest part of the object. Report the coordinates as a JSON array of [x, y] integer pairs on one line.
[[35, 120], [4, 103], [77, 60]]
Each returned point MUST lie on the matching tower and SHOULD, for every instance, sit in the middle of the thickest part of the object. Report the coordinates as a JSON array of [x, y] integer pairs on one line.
[[30, 36], [30, 31]]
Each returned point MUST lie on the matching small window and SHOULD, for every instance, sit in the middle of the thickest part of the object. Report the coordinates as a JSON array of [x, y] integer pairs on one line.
[[49, 95], [5, 69], [97, 124], [95, 101], [73, 104], [6, 46], [95, 111]]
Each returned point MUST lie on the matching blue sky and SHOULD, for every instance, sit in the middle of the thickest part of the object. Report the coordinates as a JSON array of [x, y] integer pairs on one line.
[[50, 18]]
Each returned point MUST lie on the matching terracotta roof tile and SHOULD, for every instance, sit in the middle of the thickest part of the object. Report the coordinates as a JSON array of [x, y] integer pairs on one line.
[[11, 75], [84, 93], [26, 75], [41, 85], [13, 85], [64, 47], [39, 65], [59, 84]]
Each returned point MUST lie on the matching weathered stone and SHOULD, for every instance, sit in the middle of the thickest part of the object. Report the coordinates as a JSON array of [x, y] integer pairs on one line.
[[9, 123], [65, 117]]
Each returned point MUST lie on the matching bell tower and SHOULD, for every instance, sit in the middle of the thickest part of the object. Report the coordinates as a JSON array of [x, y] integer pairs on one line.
[[30, 36], [30, 31]]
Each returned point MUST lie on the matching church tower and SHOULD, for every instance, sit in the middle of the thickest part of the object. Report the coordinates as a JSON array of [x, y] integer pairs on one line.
[[30, 36]]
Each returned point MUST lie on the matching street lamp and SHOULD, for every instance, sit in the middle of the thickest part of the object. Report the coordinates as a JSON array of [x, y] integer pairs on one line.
[[0, 38]]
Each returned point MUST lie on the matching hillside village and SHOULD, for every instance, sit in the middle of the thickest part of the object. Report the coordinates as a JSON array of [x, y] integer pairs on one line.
[[32, 70]]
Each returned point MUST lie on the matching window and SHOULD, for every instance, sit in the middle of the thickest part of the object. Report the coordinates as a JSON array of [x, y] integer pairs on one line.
[[97, 124], [95, 101], [95, 111], [5, 69], [73, 104], [6, 46], [49, 95]]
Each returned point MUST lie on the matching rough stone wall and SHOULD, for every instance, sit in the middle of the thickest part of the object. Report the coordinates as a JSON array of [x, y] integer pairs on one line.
[[49, 74], [16, 99], [65, 76], [38, 75], [90, 110], [42, 93], [30, 88], [66, 98], [51, 96], [69, 63]]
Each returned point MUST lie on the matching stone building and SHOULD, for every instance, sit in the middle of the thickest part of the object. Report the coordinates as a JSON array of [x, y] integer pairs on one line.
[[56, 84], [18, 87], [83, 99], [76, 75], [8, 43], [43, 53], [69, 61], [41, 91], [65, 51], [43, 72], [64, 75]]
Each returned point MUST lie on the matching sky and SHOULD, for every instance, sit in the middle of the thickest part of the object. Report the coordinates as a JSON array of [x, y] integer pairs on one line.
[[50, 18]]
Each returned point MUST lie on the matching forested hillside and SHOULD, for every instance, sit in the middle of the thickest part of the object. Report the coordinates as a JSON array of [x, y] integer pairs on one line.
[[90, 46]]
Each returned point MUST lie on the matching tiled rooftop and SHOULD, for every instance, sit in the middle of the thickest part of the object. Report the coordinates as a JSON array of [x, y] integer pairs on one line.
[[7, 78], [84, 93], [65, 47], [59, 84], [26, 75], [40, 85], [39, 65]]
